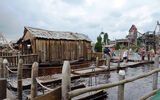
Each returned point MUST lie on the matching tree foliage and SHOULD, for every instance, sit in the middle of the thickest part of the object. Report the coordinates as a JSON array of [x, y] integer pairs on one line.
[[105, 39], [139, 41], [98, 45], [117, 47]]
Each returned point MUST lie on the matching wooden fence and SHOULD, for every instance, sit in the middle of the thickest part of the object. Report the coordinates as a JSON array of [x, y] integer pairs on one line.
[[97, 54], [67, 94], [27, 59], [7, 53]]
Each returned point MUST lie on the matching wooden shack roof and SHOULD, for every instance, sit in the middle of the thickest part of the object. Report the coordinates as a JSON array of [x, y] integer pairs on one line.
[[58, 35]]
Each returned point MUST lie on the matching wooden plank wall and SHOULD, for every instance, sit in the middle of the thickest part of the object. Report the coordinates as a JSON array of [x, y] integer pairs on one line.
[[59, 50]]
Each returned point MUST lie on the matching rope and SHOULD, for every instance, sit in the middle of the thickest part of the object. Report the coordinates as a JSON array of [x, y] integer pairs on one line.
[[38, 81], [10, 70]]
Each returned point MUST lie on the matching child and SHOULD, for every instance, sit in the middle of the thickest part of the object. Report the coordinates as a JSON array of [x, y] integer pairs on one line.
[[136, 55], [153, 53], [125, 56]]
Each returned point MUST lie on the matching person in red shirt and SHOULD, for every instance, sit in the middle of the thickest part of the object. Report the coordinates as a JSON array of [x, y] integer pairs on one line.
[[143, 54]]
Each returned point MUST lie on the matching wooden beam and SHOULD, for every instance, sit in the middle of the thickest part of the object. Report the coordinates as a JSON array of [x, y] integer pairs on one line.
[[104, 86]]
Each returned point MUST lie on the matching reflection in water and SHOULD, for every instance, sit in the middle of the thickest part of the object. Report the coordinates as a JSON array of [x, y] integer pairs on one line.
[[107, 76], [133, 90]]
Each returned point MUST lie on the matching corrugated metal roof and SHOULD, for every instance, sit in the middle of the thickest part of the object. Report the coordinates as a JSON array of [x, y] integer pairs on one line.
[[60, 35]]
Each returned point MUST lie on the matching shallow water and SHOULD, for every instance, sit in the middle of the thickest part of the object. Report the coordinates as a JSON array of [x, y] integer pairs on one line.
[[133, 90]]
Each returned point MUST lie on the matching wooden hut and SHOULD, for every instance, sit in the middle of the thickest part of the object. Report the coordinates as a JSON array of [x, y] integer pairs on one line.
[[55, 46]]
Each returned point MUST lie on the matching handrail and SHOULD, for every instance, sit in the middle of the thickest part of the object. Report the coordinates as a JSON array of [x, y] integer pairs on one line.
[[11, 70], [38, 81], [149, 94], [77, 92]]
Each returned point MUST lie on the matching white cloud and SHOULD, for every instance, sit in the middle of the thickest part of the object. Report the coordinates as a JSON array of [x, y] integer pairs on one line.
[[119, 3], [83, 16]]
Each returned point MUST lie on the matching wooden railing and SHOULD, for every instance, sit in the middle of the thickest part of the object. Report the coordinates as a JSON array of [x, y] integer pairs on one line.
[[67, 94], [27, 59], [97, 54], [7, 53]]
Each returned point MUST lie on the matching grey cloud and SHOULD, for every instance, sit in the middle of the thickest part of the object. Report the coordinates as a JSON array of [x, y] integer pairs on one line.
[[77, 16]]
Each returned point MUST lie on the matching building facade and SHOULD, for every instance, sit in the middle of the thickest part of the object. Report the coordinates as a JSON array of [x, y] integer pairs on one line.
[[132, 36], [55, 46]]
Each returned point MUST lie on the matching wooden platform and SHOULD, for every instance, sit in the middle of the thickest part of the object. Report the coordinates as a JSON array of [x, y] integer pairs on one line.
[[44, 80], [89, 70]]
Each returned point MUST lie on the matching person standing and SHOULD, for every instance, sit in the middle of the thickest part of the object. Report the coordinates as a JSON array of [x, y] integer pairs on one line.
[[136, 55], [143, 54], [153, 53], [125, 56], [107, 53], [130, 51]]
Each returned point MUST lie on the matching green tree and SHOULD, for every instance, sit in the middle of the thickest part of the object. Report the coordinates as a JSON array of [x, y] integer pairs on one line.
[[105, 39], [139, 41], [117, 47], [98, 45], [101, 33]]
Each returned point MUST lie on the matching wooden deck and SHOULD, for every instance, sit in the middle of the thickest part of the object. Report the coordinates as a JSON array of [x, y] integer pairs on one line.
[[89, 70], [43, 79]]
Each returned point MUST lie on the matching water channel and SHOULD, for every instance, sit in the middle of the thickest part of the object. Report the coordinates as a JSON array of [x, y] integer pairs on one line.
[[133, 90]]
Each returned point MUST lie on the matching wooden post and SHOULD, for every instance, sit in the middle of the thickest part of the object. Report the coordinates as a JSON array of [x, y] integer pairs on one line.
[[18, 57], [121, 87], [19, 79], [155, 75], [151, 58], [148, 55], [5, 70], [97, 61], [1, 68], [120, 57], [66, 80], [34, 75], [109, 60], [3, 88], [118, 66]]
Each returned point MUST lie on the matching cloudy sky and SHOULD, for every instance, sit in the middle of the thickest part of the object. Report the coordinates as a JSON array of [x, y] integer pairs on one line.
[[83, 16]]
